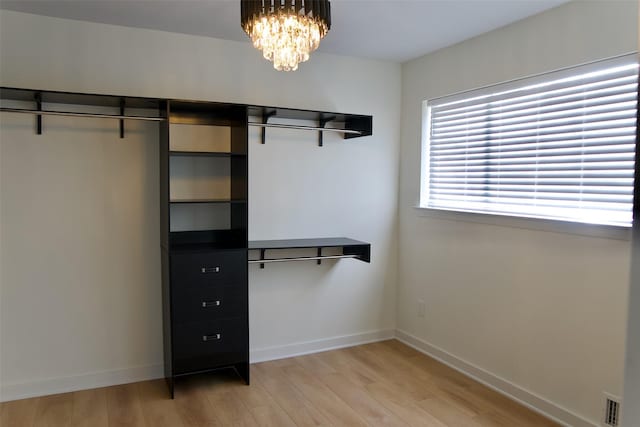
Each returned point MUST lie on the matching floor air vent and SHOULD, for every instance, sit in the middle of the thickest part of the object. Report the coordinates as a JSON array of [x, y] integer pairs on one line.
[[611, 411]]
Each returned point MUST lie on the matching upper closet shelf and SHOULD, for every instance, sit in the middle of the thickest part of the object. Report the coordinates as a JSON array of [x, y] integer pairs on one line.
[[119, 104], [44, 102], [350, 125]]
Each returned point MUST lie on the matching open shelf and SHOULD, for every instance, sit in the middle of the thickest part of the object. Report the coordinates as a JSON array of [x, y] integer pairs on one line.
[[184, 112], [350, 249], [207, 240], [205, 154], [73, 98], [350, 125], [207, 201]]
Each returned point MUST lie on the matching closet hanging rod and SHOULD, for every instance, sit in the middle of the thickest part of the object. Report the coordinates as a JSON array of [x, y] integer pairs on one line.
[[321, 129], [72, 114], [305, 258]]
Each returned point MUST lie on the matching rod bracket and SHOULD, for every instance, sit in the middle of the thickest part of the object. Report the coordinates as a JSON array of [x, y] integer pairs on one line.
[[322, 122], [38, 98], [265, 118], [122, 120], [262, 257]]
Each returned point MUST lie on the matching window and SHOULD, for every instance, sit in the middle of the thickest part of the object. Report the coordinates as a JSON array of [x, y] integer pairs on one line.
[[556, 146]]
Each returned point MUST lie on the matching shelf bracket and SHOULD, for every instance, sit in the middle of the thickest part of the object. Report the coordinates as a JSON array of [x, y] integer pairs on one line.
[[319, 256], [265, 118], [322, 122], [122, 120], [262, 257], [38, 98]]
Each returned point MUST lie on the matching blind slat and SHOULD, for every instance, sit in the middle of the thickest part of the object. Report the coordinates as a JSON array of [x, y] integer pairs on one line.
[[575, 117], [541, 109], [528, 144]]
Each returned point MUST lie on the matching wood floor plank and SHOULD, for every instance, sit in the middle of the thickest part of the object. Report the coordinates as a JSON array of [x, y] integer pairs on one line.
[[439, 371], [54, 410], [300, 410], [90, 408], [123, 405], [405, 408], [449, 413], [343, 362], [361, 402], [400, 359], [265, 410], [158, 409], [19, 413], [392, 371], [316, 363], [193, 405], [322, 397], [272, 416], [230, 411]]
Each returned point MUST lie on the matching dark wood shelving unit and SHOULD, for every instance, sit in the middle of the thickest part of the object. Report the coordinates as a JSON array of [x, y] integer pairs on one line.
[[205, 281]]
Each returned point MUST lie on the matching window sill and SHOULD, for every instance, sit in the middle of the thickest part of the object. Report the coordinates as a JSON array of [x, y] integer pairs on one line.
[[538, 224]]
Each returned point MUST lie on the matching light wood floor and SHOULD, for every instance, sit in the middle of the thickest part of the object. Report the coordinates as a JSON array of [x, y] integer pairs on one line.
[[384, 383]]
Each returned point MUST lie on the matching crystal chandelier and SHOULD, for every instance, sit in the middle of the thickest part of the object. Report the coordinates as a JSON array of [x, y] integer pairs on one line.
[[286, 31]]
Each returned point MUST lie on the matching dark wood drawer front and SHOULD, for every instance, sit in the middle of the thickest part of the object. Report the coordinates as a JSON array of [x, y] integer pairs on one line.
[[209, 268], [193, 304], [199, 346]]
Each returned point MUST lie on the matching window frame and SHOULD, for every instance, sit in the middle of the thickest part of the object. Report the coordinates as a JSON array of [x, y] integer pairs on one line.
[[511, 219]]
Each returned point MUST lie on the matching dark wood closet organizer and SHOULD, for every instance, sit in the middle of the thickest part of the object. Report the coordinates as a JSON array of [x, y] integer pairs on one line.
[[203, 213]]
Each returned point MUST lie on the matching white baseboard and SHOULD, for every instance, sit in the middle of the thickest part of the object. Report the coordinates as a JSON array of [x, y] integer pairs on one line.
[[79, 382], [143, 373], [509, 389], [316, 346]]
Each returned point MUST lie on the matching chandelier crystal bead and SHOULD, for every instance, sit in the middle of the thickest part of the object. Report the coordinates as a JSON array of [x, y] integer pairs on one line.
[[286, 31]]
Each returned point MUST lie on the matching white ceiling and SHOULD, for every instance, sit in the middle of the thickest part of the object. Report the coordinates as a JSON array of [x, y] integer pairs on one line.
[[393, 30]]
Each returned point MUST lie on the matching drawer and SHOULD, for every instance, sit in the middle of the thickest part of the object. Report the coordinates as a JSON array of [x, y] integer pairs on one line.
[[191, 304], [199, 346], [209, 268]]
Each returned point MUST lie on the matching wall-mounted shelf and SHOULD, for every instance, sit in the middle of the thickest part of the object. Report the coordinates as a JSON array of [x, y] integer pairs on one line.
[[118, 103], [208, 201], [350, 249], [350, 125], [203, 154]]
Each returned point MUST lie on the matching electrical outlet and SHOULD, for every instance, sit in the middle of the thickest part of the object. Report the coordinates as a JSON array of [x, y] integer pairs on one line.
[[421, 308]]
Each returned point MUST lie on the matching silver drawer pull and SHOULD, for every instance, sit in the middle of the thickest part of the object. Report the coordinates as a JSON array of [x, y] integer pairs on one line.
[[215, 303], [213, 337], [210, 270]]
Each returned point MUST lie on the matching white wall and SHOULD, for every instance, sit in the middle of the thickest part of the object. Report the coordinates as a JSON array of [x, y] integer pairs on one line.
[[79, 255], [539, 314]]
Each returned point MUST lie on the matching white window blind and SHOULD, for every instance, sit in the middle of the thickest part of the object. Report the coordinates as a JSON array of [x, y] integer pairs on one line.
[[557, 146]]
